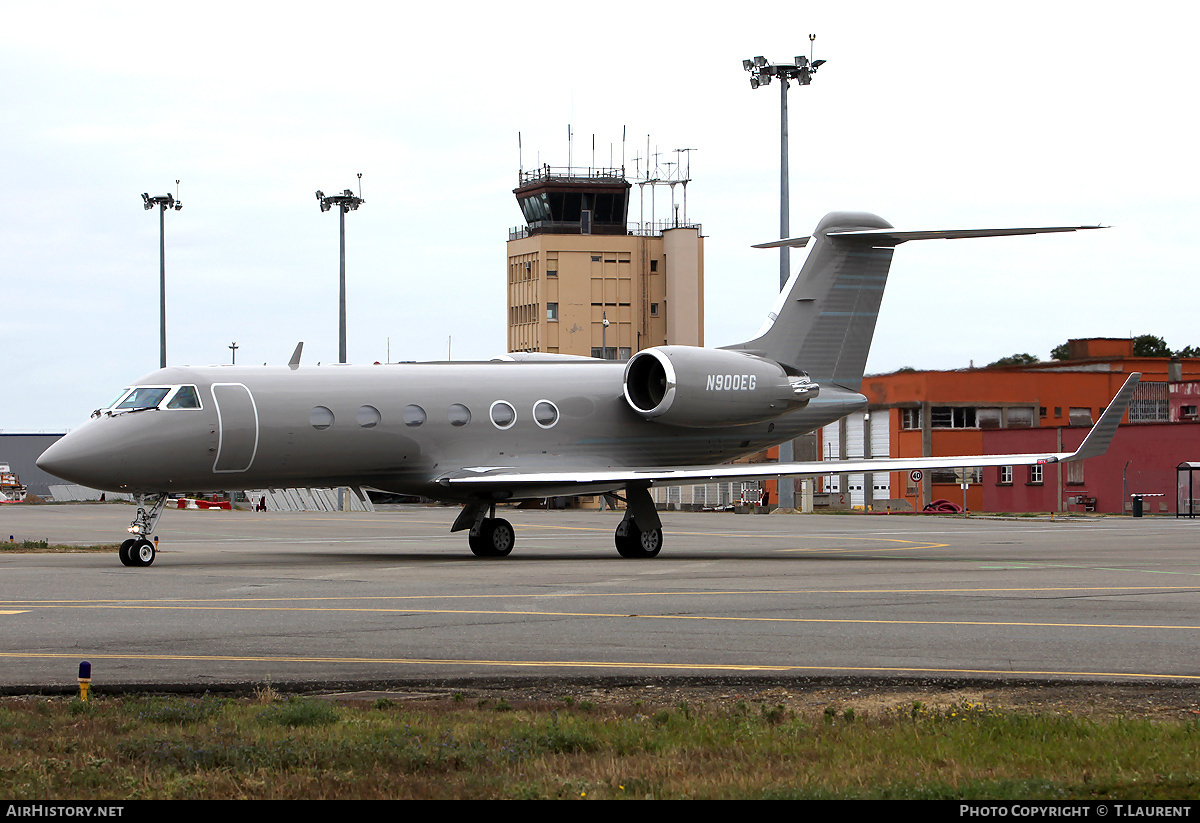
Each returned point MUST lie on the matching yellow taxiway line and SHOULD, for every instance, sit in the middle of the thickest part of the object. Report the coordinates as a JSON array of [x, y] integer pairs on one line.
[[257, 606], [589, 664]]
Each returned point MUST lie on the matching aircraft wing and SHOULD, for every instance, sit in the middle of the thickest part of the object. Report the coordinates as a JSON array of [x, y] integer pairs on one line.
[[892, 237], [516, 480]]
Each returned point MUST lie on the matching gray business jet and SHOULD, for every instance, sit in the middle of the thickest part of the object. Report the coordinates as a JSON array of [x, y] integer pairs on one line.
[[527, 425]]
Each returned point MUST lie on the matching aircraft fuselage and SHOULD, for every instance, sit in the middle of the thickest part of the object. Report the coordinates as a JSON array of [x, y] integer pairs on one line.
[[400, 427]]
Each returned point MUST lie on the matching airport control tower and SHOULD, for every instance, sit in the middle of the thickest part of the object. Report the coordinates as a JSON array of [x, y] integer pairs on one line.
[[584, 280]]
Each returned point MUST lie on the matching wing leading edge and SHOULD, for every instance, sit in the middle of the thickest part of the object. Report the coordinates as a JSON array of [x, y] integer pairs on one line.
[[1095, 444]]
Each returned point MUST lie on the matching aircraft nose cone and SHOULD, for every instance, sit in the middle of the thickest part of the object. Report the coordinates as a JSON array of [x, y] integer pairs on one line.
[[79, 457], [59, 459]]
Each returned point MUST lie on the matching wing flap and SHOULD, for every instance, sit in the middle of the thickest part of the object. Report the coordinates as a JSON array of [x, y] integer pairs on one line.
[[679, 475]]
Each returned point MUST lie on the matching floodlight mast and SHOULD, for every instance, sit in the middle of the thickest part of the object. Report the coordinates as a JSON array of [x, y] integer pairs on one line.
[[166, 201], [801, 69], [346, 201]]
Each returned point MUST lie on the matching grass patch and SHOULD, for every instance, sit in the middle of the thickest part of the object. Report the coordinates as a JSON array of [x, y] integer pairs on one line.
[[300, 712], [292, 747], [170, 711], [46, 547]]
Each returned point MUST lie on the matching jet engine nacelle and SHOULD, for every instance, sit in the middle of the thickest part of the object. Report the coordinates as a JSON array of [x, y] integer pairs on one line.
[[698, 388]]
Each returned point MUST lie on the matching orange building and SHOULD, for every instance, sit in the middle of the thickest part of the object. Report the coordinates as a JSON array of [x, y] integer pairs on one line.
[[942, 413]]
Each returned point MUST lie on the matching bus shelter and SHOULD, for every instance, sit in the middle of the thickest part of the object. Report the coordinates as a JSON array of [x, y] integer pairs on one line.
[[1187, 487]]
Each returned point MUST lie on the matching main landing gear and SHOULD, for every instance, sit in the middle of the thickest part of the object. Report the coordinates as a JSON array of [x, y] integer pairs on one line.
[[633, 542], [639, 535], [139, 550], [490, 536], [493, 538]]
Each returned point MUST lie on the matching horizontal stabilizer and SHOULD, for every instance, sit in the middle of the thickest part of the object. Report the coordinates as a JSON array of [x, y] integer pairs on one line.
[[791, 243], [891, 237]]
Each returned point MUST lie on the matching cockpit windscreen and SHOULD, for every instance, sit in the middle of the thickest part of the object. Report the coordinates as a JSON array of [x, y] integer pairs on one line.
[[143, 397]]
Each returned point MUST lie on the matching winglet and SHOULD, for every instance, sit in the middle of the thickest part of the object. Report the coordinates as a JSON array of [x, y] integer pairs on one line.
[[1097, 440], [294, 363]]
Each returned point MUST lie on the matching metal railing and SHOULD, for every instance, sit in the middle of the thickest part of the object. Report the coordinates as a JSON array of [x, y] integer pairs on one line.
[[548, 172], [655, 228], [646, 229]]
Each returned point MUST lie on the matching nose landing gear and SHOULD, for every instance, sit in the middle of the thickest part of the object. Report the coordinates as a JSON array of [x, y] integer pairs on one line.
[[138, 550]]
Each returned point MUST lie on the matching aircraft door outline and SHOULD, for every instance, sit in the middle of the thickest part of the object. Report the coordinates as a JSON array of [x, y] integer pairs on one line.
[[237, 427]]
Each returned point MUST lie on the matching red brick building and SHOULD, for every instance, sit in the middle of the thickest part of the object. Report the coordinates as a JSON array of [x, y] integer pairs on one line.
[[1141, 460], [1016, 409]]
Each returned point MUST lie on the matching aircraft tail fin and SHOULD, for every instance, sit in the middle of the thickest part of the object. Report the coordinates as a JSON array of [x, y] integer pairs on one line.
[[824, 319]]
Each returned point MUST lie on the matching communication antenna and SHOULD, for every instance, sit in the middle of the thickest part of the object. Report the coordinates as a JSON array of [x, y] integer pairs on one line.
[[687, 177], [671, 185], [688, 172]]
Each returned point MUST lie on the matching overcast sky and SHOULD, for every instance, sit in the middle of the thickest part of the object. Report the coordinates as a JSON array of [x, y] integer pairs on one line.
[[933, 115]]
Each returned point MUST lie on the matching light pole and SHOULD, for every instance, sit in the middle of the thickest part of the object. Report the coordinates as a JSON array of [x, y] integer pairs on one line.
[[166, 201], [346, 201], [233, 347], [801, 69]]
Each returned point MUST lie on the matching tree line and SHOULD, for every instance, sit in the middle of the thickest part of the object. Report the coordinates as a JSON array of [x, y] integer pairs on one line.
[[1144, 345]]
